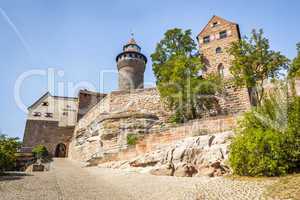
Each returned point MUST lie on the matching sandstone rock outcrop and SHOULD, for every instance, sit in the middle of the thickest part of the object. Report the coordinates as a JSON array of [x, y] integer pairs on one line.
[[195, 156]]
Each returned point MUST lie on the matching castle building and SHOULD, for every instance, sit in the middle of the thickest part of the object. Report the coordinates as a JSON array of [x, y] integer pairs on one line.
[[51, 121], [131, 65], [82, 127], [214, 41]]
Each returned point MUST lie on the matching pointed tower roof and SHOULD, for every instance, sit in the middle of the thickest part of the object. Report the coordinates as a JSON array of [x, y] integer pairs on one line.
[[131, 45]]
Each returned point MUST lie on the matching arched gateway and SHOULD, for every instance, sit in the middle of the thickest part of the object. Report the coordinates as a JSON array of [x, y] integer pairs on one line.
[[61, 150]]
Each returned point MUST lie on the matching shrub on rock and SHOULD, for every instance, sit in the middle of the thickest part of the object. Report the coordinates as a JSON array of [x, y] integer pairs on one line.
[[132, 139]]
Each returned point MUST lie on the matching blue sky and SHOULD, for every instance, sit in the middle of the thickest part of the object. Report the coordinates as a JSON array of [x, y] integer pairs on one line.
[[82, 38]]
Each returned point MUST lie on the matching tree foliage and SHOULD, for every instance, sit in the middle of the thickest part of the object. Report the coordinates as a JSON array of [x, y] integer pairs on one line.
[[295, 66], [8, 150], [176, 67], [254, 63], [40, 151], [268, 138]]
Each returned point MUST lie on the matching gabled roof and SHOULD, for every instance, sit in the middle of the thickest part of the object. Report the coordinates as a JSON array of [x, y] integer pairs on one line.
[[215, 17], [44, 96]]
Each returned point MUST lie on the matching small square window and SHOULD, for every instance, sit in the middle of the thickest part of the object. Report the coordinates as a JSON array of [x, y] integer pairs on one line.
[[206, 39], [45, 104], [223, 34]]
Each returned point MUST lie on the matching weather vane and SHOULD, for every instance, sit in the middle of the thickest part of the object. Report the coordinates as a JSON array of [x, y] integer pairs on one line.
[[132, 33]]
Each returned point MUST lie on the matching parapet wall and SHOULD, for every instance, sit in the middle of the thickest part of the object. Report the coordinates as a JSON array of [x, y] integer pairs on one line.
[[141, 100]]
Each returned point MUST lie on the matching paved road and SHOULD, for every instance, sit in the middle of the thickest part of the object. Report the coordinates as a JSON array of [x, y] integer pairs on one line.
[[68, 181]]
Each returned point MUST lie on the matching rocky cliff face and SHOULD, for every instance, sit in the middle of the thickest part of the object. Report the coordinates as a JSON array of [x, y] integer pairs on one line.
[[195, 156]]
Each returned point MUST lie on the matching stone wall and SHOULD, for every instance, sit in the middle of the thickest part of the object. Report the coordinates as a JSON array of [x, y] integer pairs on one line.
[[113, 116], [141, 100], [47, 133], [104, 128], [234, 100], [87, 100]]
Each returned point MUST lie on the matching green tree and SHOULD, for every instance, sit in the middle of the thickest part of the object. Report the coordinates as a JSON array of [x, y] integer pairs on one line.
[[40, 151], [8, 150], [295, 66], [176, 67], [254, 63]]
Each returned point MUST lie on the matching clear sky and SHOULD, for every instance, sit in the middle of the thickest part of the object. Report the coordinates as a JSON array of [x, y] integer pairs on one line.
[[80, 39]]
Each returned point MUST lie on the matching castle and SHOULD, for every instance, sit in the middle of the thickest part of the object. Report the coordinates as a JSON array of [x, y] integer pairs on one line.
[[96, 125]]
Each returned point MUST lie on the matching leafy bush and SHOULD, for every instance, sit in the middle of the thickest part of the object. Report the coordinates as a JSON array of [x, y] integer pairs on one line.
[[268, 139], [132, 139], [293, 133], [8, 150], [40, 151]]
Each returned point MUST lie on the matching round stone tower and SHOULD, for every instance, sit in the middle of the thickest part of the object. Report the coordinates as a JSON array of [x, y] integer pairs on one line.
[[131, 66]]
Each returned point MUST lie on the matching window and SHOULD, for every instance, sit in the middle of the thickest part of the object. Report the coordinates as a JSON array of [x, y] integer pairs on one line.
[[37, 114], [215, 24], [223, 34], [219, 50], [48, 114], [206, 39], [45, 103], [221, 70]]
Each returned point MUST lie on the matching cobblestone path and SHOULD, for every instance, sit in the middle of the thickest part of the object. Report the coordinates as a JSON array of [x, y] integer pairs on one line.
[[68, 181]]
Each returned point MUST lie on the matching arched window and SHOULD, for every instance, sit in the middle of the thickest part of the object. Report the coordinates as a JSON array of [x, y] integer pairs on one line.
[[221, 70], [219, 50]]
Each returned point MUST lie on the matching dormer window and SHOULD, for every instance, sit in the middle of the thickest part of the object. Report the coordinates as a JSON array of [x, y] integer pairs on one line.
[[50, 115], [223, 34], [45, 103], [206, 39], [37, 114]]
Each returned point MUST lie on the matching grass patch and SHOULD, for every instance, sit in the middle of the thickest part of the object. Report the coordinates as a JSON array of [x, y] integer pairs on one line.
[[287, 187]]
